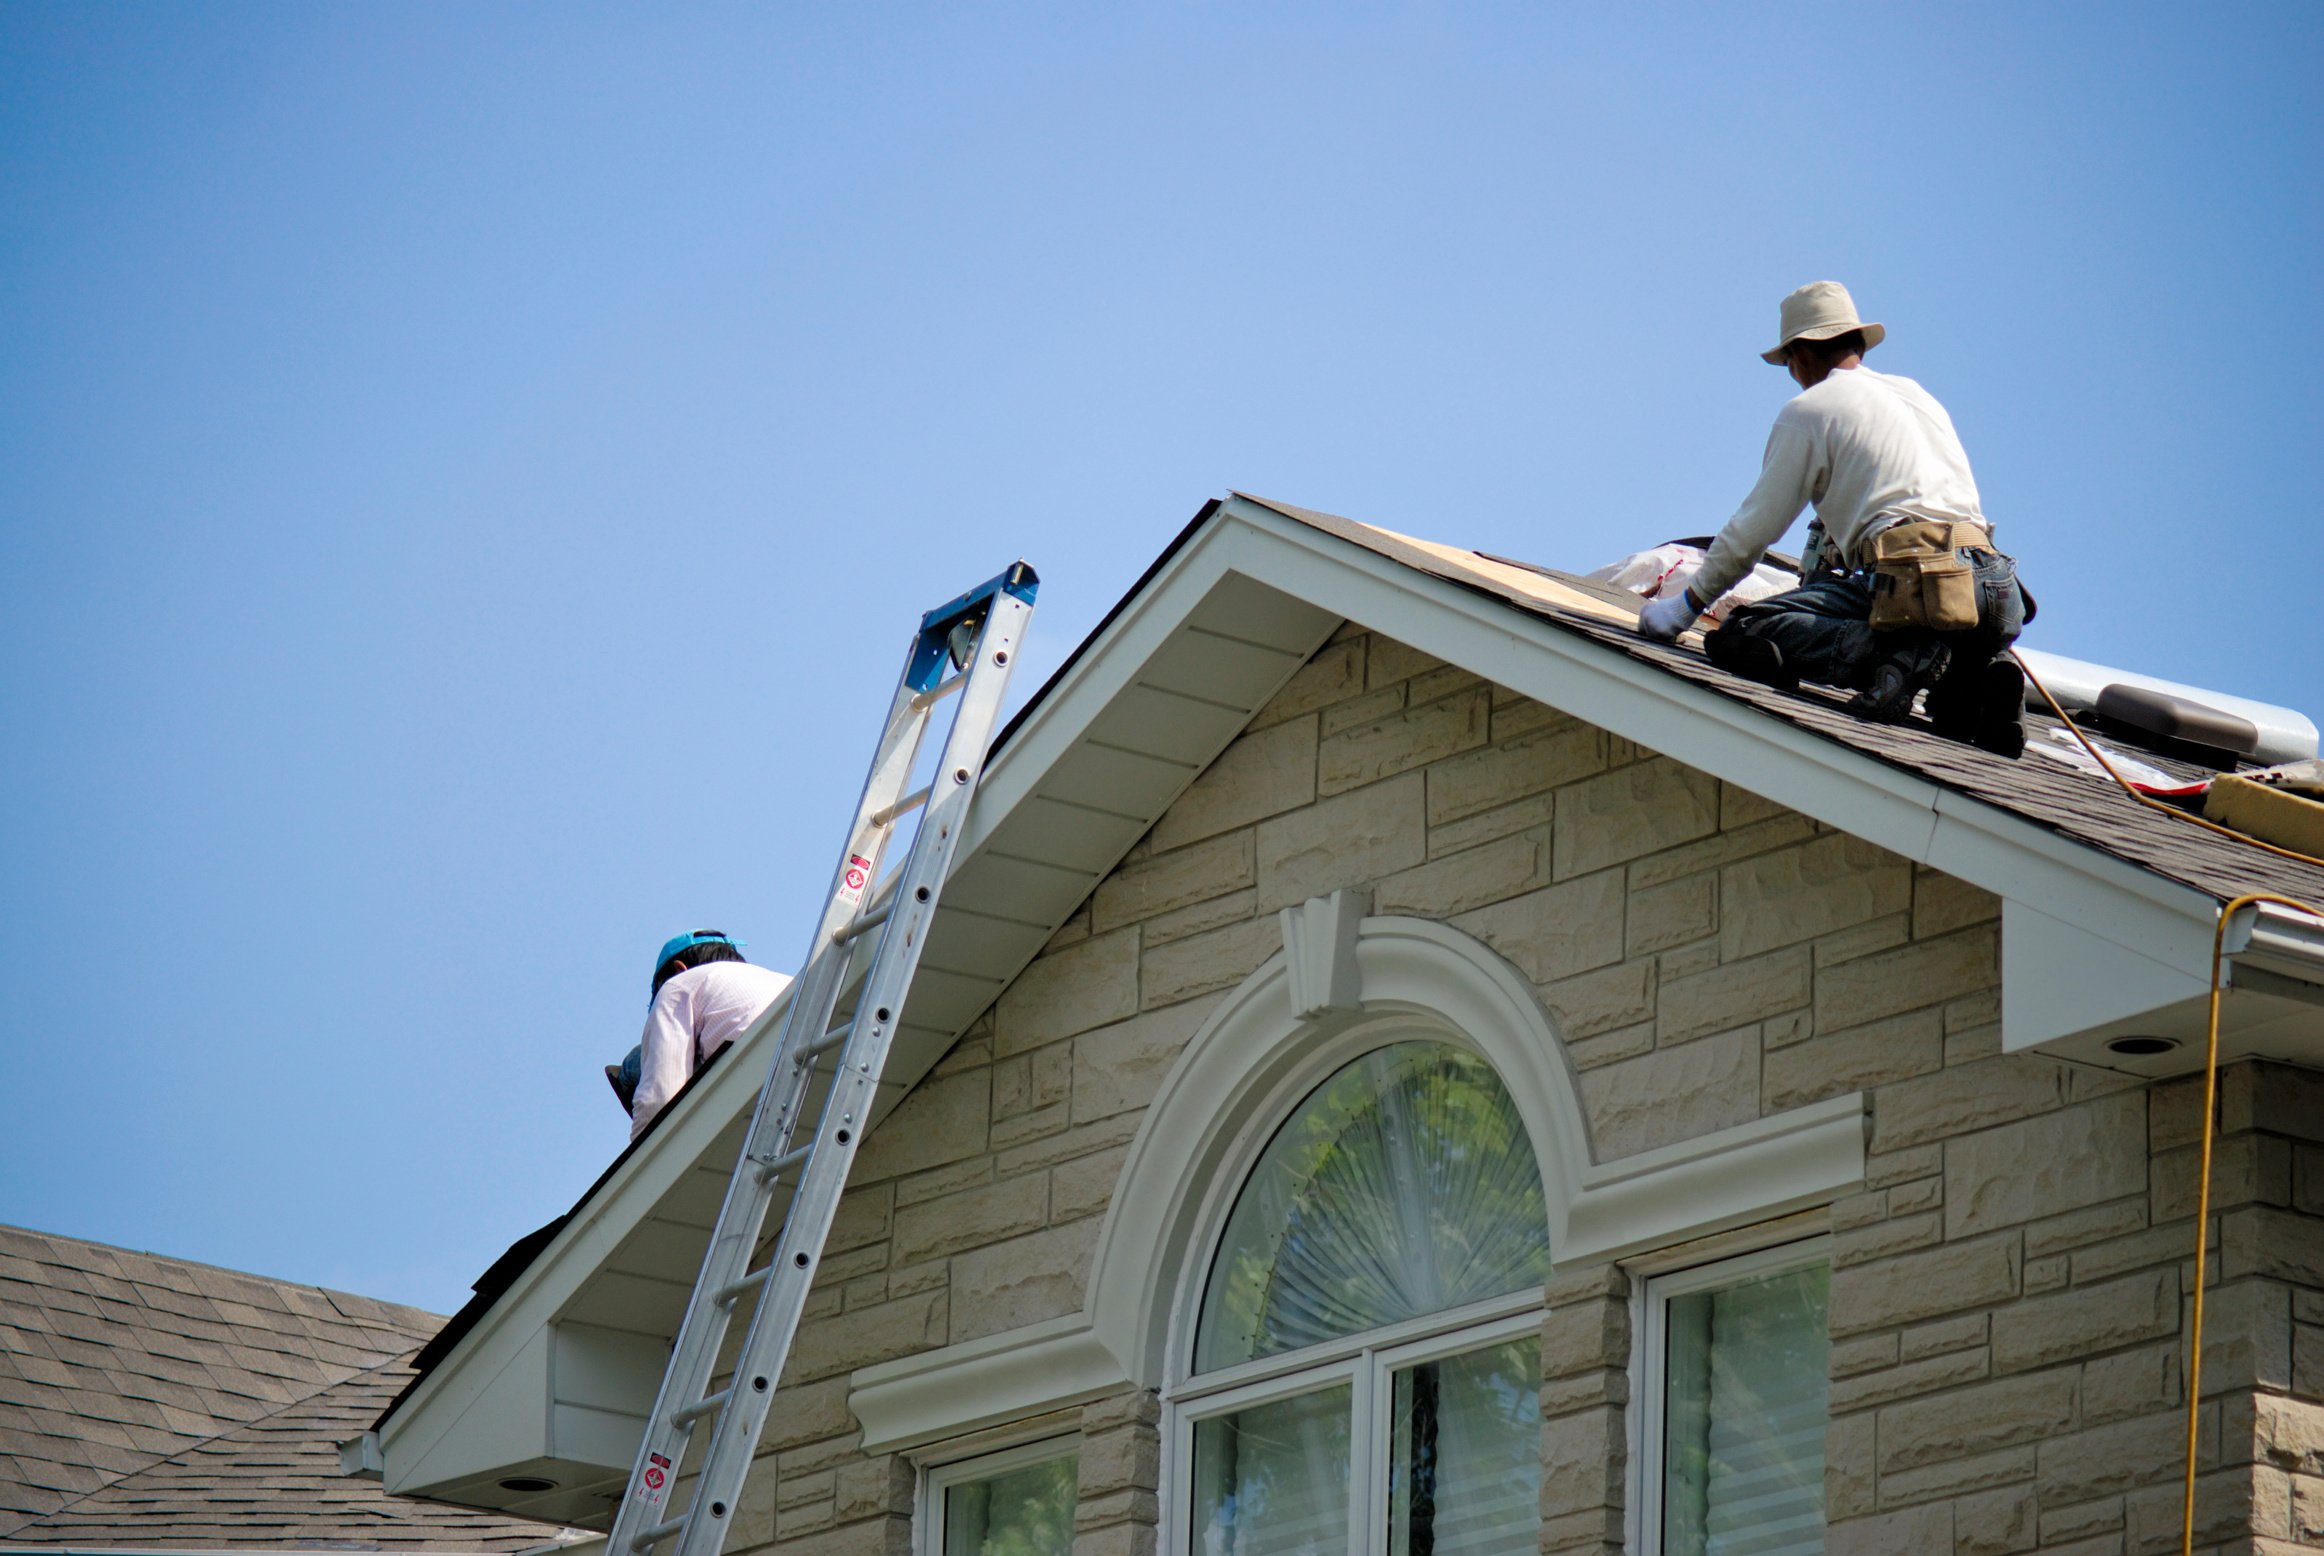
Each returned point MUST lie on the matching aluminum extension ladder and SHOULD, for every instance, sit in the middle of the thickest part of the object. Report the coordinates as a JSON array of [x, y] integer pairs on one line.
[[975, 638]]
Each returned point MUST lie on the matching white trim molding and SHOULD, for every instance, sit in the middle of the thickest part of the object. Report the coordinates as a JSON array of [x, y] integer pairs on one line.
[[982, 1383], [1370, 979], [1319, 954]]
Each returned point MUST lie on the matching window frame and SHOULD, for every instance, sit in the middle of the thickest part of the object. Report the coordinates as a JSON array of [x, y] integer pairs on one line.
[[1650, 1380], [1367, 1365], [1365, 1361], [938, 1478]]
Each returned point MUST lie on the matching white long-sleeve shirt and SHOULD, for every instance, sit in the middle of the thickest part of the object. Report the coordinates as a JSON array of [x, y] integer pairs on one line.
[[1863, 447], [696, 1013]]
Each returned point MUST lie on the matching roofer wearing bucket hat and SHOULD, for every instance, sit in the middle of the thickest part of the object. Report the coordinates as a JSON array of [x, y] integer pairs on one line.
[[1908, 593], [704, 997]]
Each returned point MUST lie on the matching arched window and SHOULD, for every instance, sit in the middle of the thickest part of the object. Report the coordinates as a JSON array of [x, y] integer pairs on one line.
[[1364, 1371]]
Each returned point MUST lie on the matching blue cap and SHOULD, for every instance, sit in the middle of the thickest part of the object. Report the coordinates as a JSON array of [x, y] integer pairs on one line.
[[688, 941]]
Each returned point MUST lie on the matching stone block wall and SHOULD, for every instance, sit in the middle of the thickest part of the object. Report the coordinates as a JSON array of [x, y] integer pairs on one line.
[[2010, 1308], [1585, 1397], [2007, 1291]]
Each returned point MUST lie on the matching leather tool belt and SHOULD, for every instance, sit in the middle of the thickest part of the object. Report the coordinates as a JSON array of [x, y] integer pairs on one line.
[[1921, 579]]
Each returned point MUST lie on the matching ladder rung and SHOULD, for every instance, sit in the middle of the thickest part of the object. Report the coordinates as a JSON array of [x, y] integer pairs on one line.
[[735, 1288], [659, 1532], [706, 1405], [903, 807], [857, 928], [941, 690], [828, 1041], [770, 1171]]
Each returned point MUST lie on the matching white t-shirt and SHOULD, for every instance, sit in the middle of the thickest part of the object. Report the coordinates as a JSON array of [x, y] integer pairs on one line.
[[1862, 446], [696, 1013]]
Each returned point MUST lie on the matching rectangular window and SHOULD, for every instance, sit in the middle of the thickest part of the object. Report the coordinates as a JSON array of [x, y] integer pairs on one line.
[[1425, 1446], [1737, 1361], [1018, 1503], [1273, 1477], [1464, 1464]]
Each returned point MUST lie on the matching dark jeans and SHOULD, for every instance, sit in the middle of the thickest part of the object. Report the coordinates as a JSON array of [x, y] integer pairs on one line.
[[1823, 630]]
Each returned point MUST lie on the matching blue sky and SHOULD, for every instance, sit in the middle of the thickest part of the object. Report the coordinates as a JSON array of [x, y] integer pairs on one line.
[[465, 473]]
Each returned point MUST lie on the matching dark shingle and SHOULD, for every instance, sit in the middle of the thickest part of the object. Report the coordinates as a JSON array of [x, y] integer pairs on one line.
[[147, 1401]]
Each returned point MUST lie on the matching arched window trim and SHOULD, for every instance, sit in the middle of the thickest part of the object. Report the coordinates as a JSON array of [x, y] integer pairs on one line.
[[1344, 980], [1342, 971]]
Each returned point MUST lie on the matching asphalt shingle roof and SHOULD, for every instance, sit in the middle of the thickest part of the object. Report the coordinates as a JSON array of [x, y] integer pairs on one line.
[[155, 1403], [2090, 810]]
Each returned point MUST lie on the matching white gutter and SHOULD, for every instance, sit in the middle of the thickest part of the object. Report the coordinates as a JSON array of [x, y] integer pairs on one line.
[[2278, 940]]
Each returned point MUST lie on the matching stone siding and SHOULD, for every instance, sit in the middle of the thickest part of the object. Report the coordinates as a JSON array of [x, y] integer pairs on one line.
[[2010, 1316], [2007, 1292]]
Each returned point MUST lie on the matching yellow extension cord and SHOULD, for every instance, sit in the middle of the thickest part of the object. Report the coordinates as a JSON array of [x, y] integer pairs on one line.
[[2210, 1072]]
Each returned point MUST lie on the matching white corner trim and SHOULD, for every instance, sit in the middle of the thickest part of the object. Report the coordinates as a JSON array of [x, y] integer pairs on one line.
[[1792, 1160], [980, 1383], [1319, 950]]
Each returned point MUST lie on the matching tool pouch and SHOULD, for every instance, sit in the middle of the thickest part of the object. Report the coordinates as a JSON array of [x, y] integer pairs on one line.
[[1920, 578]]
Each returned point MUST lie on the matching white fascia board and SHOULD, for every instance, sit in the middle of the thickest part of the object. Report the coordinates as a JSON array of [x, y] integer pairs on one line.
[[2064, 979], [1911, 816]]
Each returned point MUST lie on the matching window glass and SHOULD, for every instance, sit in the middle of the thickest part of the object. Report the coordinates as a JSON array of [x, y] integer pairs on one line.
[[1020, 1512], [1464, 1471], [1746, 1398], [1402, 1186], [1272, 1480]]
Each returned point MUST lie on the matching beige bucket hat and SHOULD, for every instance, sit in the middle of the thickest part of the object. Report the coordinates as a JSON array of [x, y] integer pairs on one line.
[[1818, 311]]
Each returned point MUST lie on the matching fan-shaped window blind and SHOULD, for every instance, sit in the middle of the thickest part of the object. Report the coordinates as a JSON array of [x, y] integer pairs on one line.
[[1402, 1186]]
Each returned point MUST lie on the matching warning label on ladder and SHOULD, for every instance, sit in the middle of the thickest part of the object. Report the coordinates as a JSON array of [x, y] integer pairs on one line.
[[855, 879], [655, 1481]]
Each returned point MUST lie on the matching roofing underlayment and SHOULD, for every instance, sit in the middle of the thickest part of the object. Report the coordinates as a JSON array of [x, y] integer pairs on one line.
[[151, 1403]]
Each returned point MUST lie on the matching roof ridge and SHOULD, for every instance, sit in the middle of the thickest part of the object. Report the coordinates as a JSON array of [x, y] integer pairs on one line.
[[151, 1465]]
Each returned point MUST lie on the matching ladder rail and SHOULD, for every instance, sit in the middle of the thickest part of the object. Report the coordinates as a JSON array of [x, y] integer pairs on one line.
[[995, 614], [750, 1193], [847, 1108]]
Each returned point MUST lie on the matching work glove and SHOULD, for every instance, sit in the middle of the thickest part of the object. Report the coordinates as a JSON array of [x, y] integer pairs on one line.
[[1664, 619]]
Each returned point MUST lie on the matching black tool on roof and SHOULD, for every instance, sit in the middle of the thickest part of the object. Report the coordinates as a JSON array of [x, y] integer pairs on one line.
[[2176, 726]]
